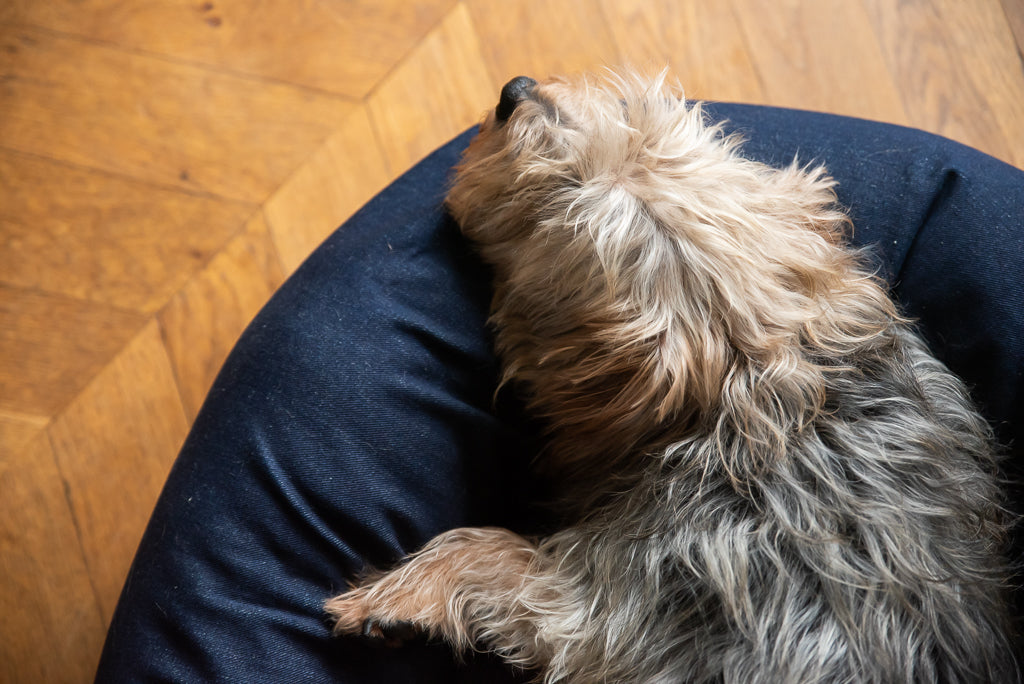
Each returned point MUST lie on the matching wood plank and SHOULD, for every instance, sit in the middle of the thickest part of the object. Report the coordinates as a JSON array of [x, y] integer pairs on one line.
[[339, 178], [1014, 10], [413, 120], [114, 446], [16, 429], [958, 69], [51, 346], [821, 56], [155, 120], [345, 48], [540, 38], [701, 42], [53, 629], [202, 322], [93, 236]]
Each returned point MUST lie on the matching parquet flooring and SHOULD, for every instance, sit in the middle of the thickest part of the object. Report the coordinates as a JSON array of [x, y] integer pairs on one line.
[[165, 165]]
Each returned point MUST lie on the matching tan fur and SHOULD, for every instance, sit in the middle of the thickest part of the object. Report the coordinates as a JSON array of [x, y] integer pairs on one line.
[[765, 476], [460, 563]]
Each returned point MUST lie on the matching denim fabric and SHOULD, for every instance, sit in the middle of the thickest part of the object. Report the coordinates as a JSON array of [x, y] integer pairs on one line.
[[354, 419]]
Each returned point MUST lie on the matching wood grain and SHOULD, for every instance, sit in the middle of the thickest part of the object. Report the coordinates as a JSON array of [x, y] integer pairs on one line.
[[957, 63], [16, 429], [114, 445], [701, 43], [198, 130], [202, 322], [1014, 10], [51, 346], [72, 231], [53, 629], [154, 156], [340, 177], [345, 48], [819, 55], [413, 120], [540, 38]]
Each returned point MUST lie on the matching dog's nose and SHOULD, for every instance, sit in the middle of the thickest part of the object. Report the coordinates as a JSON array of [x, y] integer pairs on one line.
[[514, 92]]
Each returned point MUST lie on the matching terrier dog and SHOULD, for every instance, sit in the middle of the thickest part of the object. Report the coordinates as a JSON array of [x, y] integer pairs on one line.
[[764, 474]]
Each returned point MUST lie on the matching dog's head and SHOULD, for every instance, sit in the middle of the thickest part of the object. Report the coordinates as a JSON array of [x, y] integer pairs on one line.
[[644, 266]]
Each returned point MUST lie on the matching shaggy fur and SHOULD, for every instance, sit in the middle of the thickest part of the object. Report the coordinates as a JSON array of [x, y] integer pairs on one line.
[[766, 477]]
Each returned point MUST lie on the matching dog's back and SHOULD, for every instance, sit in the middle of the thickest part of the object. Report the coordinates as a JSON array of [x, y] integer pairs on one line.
[[766, 477]]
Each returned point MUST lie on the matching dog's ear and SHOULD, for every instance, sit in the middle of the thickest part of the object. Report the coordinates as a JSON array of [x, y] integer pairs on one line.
[[769, 303], [763, 408], [744, 410]]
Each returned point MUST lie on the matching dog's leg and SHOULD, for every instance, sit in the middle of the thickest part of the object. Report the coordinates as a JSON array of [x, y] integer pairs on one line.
[[466, 585]]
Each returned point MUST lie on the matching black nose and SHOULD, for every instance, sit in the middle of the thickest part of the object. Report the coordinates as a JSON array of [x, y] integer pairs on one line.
[[514, 92]]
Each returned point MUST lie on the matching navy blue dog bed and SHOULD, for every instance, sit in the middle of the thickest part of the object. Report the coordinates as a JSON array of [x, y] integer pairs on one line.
[[355, 420]]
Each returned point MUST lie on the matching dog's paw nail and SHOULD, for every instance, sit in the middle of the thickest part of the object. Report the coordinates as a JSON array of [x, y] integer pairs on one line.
[[371, 629], [391, 634]]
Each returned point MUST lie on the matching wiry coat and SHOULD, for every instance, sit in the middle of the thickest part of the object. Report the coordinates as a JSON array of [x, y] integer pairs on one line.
[[766, 477]]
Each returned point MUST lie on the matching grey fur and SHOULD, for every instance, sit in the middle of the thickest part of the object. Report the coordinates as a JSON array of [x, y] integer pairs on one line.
[[766, 475]]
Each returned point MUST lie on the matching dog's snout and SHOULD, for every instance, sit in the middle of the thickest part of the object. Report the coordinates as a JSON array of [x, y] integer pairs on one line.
[[514, 92]]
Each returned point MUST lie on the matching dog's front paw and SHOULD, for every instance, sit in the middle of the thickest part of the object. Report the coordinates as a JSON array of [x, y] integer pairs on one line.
[[353, 614], [349, 611]]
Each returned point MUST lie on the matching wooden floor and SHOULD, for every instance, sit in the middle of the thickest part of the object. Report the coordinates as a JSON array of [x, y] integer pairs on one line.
[[164, 165]]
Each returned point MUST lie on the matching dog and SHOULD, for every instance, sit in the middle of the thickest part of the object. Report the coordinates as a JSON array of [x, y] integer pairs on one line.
[[764, 475]]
